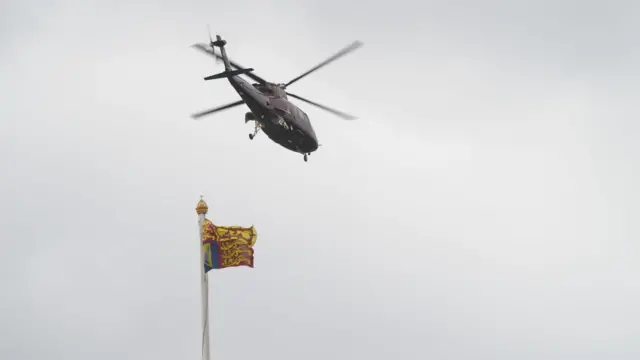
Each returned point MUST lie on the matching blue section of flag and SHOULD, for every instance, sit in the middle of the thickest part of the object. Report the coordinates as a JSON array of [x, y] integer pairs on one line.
[[211, 253], [215, 255]]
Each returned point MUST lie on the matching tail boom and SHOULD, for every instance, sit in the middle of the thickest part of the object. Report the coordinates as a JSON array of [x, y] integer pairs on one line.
[[221, 43]]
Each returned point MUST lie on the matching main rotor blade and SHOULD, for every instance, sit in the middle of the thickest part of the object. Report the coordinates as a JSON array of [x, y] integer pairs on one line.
[[333, 111], [219, 108], [206, 49], [339, 54]]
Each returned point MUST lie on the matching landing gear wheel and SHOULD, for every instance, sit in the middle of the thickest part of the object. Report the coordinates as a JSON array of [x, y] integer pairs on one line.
[[250, 136], [305, 157]]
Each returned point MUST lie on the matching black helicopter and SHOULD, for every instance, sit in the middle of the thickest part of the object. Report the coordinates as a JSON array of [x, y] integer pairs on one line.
[[271, 110]]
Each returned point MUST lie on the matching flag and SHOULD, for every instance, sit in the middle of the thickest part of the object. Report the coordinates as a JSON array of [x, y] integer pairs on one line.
[[227, 246]]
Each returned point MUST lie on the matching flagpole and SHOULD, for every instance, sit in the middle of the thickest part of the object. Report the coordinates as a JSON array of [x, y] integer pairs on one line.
[[202, 209]]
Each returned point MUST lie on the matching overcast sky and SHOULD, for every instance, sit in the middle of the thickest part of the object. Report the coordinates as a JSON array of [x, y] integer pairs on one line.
[[483, 206]]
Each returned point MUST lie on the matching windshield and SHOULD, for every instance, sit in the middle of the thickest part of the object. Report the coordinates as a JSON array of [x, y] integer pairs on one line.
[[300, 115], [281, 104]]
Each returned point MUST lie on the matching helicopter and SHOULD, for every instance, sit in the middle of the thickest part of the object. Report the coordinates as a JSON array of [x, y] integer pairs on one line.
[[270, 108]]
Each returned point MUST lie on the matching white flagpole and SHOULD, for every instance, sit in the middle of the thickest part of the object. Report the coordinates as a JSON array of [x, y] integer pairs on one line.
[[202, 209]]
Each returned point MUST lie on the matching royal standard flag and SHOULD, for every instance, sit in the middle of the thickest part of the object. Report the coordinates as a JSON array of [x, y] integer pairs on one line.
[[227, 246]]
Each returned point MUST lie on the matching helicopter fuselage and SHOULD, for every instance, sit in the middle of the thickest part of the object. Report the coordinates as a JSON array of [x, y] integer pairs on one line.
[[282, 121]]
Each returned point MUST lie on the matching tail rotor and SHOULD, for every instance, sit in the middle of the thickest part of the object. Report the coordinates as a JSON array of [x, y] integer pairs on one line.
[[212, 45]]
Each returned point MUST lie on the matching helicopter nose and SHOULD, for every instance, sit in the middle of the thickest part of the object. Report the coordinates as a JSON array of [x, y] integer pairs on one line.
[[312, 141]]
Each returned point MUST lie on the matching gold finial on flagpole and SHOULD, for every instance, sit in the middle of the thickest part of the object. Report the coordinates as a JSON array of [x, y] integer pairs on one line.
[[202, 207]]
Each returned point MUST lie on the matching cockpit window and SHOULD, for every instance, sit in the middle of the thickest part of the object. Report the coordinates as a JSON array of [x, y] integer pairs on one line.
[[281, 104], [302, 115], [299, 114]]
